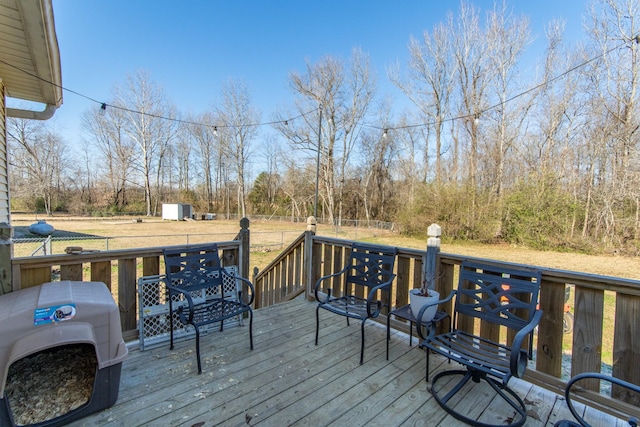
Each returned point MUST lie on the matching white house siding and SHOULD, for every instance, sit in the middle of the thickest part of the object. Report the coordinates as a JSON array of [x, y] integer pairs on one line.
[[4, 180]]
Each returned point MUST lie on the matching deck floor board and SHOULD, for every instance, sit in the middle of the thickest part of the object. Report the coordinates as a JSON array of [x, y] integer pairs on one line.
[[288, 381]]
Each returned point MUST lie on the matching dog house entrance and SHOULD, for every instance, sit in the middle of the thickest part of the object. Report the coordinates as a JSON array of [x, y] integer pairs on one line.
[[51, 383]]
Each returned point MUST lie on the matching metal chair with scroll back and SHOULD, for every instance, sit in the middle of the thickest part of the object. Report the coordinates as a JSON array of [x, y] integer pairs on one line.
[[494, 318], [366, 286], [202, 291]]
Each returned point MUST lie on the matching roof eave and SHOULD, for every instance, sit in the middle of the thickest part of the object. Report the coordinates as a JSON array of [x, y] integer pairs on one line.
[[39, 26]]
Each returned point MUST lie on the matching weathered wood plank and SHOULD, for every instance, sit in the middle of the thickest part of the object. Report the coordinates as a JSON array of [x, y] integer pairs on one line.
[[587, 334], [287, 380], [101, 272], [71, 272], [626, 347], [34, 277], [497, 412], [127, 293], [403, 266], [550, 329], [151, 266]]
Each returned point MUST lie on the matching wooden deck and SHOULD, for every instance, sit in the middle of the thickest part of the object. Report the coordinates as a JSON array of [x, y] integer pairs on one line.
[[287, 380]]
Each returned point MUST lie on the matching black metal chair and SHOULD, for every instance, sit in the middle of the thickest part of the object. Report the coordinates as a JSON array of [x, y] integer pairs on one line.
[[573, 382], [366, 286], [204, 291], [489, 298]]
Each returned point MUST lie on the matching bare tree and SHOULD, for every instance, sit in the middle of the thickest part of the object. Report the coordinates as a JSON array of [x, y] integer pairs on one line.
[[430, 83], [340, 99], [205, 136], [409, 168], [378, 153], [615, 27], [37, 159], [105, 131], [239, 118], [182, 158], [146, 109], [507, 37]]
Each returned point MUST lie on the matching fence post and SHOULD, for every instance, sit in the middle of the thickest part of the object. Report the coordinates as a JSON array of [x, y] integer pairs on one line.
[[429, 265], [308, 255]]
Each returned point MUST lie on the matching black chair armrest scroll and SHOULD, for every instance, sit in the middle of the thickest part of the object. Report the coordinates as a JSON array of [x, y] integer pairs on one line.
[[319, 282], [520, 356], [632, 420], [174, 290], [250, 287], [372, 293], [425, 307]]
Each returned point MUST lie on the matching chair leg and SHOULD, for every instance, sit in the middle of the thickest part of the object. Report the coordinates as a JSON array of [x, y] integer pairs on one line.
[[411, 333], [170, 327], [251, 329], [317, 322], [198, 348], [362, 342], [388, 336], [426, 377]]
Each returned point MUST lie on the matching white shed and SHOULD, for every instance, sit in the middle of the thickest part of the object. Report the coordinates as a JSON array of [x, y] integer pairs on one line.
[[176, 211]]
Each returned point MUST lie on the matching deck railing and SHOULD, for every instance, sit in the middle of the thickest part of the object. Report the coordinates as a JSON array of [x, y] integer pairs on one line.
[[602, 305], [119, 270], [596, 301], [285, 277]]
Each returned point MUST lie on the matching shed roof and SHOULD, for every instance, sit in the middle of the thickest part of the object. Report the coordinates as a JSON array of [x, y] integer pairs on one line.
[[29, 55]]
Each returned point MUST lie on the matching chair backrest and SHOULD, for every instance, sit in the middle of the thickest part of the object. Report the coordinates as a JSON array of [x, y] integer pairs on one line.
[[496, 294], [193, 268], [370, 265]]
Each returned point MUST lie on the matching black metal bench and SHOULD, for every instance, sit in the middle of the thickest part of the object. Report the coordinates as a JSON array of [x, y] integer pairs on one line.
[[490, 299], [366, 286], [204, 291]]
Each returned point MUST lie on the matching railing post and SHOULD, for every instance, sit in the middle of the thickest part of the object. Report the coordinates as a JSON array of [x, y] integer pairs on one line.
[[243, 261], [429, 265], [308, 255]]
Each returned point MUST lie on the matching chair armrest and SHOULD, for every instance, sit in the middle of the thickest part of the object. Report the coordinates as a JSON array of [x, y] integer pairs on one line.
[[595, 375], [247, 282], [520, 356], [320, 280], [371, 296], [177, 290], [426, 306]]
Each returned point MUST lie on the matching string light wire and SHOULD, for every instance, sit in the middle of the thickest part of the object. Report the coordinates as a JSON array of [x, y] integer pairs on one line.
[[104, 106], [386, 129]]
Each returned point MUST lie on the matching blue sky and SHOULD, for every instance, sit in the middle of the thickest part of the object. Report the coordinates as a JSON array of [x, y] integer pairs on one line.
[[192, 47]]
